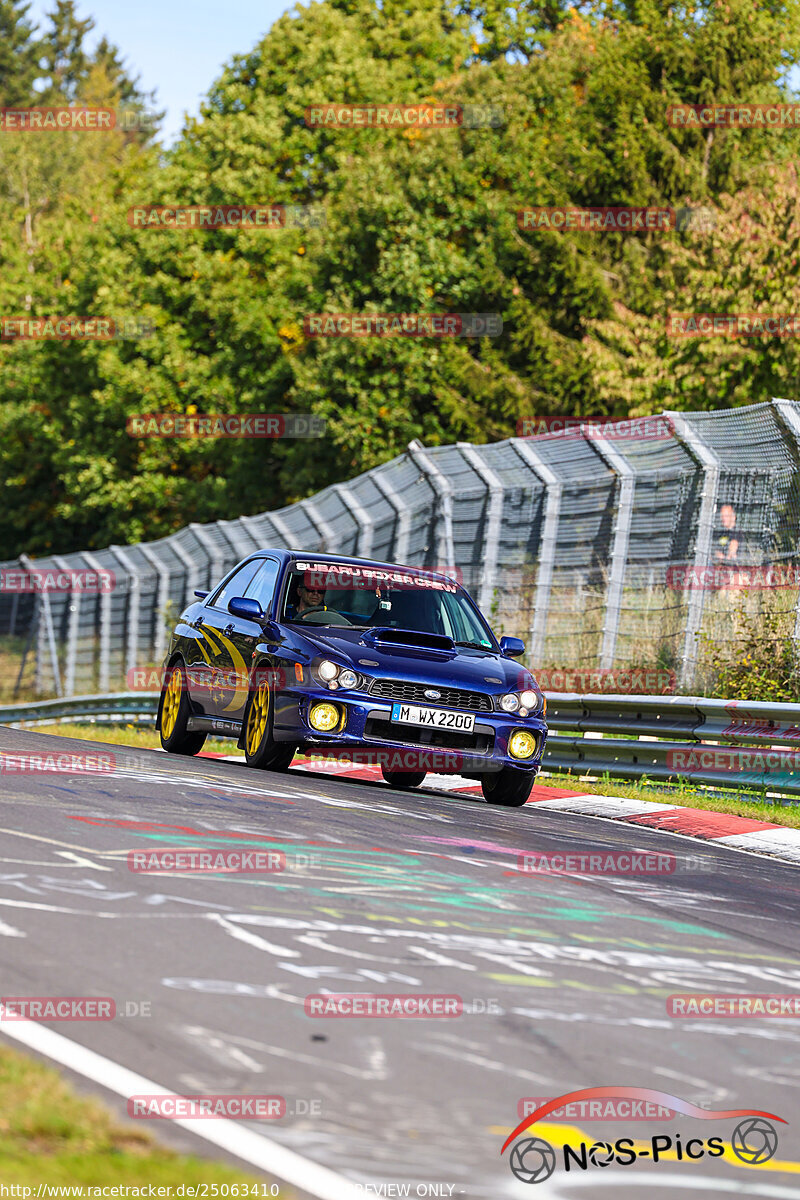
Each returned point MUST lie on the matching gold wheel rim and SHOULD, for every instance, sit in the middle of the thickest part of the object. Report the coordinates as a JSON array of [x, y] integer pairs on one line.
[[172, 702], [257, 718]]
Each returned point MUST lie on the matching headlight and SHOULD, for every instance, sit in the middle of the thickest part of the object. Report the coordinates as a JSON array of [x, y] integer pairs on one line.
[[324, 717], [529, 699], [509, 702], [327, 670], [347, 678]]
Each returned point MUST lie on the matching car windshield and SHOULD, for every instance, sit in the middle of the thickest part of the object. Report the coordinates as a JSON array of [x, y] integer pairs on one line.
[[338, 594]]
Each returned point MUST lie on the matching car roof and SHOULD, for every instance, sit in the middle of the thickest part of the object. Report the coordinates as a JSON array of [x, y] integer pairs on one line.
[[317, 556]]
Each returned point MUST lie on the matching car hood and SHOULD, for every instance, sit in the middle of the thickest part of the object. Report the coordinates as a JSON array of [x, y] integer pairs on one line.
[[475, 669]]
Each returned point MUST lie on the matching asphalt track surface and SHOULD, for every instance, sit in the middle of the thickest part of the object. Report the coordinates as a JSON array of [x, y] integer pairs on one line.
[[401, 893]]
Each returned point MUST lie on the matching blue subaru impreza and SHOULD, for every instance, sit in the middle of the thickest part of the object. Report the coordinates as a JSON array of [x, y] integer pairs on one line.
[[353, 658]]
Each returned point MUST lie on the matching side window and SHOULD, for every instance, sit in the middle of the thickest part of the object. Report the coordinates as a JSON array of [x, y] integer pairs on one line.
[[236, 585], [262, 587]]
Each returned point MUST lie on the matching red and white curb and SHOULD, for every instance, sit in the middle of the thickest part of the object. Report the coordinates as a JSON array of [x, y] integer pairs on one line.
[[742, 833]]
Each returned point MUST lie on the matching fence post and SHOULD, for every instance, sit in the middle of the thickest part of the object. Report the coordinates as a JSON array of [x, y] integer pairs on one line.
[[134, 603], [445, 550], [72, 629], [325, 532], [233, 531], [619, 546], [192, 569], [547, 544], [278, 524], [399, 551], [215, 559], [105, 627], [705, 456], [160, 633], [366, 525], [492, 525]]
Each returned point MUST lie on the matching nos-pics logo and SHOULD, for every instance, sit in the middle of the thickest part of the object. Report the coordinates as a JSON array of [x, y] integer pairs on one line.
[[532, 1160]]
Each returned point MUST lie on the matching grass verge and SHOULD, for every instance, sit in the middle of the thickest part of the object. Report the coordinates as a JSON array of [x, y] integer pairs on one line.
[[51, 1135]]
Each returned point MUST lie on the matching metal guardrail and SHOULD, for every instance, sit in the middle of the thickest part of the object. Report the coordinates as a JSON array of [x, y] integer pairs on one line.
[[720, 743], [749, 745], [135, 708]]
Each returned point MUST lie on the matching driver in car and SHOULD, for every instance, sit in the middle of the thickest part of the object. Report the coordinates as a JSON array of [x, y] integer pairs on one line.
[[307, 597]]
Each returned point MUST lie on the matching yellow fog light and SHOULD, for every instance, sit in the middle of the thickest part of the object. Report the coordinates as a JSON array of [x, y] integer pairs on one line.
[[324, 717], [522, 744]]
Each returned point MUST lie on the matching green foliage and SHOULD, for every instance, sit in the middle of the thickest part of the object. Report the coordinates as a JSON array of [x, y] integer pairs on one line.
[[416, 221], [760, 660]]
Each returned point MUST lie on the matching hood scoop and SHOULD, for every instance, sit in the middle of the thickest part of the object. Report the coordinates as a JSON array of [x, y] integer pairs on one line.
[[410, 641]]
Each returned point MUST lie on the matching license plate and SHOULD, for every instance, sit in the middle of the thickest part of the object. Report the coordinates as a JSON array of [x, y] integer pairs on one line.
[[437, 718]]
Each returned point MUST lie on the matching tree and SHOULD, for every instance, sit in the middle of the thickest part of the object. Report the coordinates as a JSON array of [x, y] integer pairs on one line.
[[19, 54]]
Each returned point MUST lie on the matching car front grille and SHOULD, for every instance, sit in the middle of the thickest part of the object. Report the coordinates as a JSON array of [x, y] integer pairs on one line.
[[414, 693]]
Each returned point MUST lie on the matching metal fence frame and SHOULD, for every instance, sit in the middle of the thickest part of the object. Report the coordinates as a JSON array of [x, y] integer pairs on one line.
[[497, 511]]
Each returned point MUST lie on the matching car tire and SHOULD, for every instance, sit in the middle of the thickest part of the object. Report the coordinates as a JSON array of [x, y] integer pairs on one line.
[[174, 710], [509, 786], [403, 779], [260, 749]]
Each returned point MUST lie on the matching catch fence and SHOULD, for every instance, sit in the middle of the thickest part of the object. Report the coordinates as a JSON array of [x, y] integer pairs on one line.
[[625, 545]]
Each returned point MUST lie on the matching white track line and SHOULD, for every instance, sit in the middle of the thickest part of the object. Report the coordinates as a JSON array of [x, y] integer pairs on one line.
[[236, 1139]]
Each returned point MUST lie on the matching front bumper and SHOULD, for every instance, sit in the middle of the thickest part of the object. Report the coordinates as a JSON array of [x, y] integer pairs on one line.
[[368, 727]]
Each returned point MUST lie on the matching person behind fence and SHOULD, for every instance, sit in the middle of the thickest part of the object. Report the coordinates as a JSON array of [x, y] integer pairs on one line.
[[727, 547]]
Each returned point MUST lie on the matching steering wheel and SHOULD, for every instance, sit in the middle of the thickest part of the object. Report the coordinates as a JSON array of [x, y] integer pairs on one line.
[[314, 609]]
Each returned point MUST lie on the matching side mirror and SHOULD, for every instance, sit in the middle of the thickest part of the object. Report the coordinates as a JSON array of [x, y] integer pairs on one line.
[[247, 609], [200, 595], [512, 647]]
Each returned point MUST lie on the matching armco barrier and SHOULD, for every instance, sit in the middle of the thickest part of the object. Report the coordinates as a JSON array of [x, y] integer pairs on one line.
[[130, 707], [626, 737], [635, 736]]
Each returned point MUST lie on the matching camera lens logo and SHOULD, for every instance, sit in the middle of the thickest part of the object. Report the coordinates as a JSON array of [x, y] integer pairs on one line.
[[754, 1141], [533, 1160], [601, 1154]]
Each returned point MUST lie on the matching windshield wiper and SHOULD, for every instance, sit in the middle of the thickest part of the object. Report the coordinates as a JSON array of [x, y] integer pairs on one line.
[[475, 646]]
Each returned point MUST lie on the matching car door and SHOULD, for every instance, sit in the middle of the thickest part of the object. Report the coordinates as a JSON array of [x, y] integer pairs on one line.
[[220, 673], [242, 636]]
